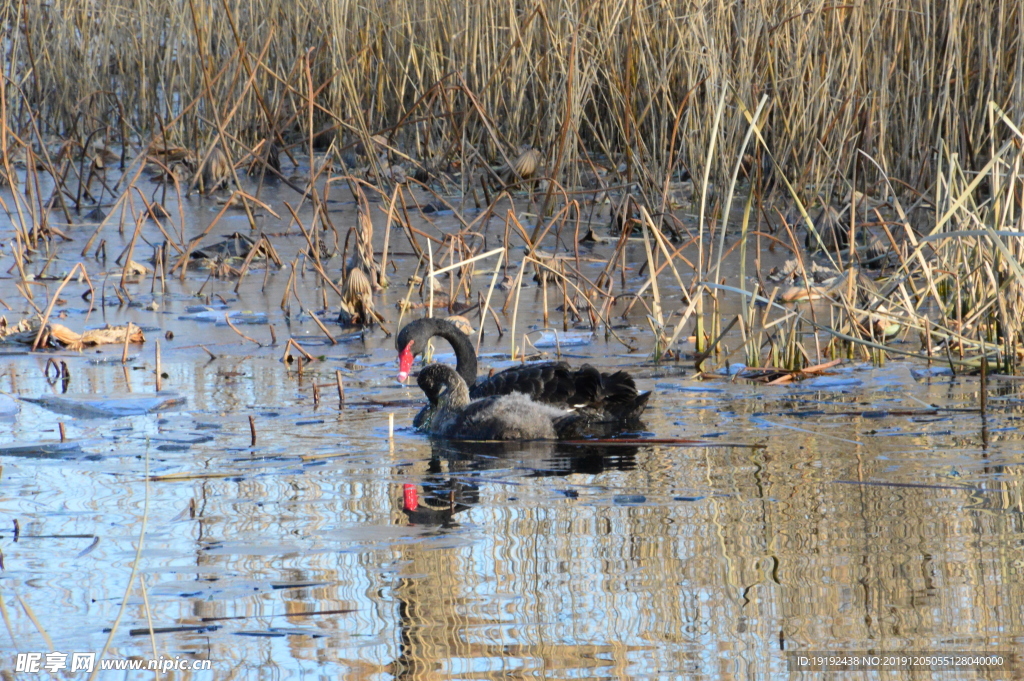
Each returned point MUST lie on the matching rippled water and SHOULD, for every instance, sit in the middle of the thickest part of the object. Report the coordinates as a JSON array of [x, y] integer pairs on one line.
[[867, 510]]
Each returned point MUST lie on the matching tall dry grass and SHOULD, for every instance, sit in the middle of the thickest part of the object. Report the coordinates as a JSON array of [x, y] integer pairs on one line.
[[889, 78], [918, 104]]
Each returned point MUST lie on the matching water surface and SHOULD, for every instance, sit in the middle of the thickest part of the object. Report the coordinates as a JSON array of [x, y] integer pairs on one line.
[[865, 510]]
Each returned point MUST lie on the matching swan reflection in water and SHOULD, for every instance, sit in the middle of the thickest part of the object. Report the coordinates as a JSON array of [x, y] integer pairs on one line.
[[447, 487], [439, 613]]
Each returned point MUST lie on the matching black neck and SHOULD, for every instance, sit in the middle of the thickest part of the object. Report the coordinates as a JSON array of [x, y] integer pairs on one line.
[[465, 353]]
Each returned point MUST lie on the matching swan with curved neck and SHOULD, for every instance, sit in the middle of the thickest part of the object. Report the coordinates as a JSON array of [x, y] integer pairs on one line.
[[412, 341], [608, 396]]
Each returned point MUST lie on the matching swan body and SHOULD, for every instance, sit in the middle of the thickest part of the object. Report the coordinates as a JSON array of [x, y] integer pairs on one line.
[[606, 396], [452, 414]]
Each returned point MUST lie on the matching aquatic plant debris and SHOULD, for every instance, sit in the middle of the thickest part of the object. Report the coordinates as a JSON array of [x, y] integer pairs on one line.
[[58, 335]]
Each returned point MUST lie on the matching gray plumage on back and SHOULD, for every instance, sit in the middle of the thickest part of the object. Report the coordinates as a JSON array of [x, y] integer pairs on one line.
[[506, 417], [509, 417]]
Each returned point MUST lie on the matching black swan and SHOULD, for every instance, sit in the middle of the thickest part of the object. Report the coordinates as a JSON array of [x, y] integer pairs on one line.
[[453, 415], [607, 397]]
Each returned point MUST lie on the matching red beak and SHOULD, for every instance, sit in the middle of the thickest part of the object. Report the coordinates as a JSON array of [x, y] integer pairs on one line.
[[405, 362], [410, 499]]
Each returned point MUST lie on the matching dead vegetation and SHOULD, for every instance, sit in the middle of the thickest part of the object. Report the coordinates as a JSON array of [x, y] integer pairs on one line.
[[670, 121], [59, 336]]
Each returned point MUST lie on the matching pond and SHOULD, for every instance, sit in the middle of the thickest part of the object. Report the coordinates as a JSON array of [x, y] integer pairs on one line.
[[255, 514]]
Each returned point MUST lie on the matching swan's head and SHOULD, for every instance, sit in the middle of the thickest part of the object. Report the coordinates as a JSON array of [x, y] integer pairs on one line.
[[412, 341], [443, 385], [434, 380], [413, 338]]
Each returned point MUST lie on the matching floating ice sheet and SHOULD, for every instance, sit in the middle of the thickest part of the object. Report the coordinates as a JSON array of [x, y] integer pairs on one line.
[[832, 382], [8, 406], [551, 339], [109, 406], [41, 450], [931, 372], [236, 316]]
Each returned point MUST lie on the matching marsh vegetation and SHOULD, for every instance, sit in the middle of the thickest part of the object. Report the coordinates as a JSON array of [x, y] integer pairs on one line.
[[887, 137], [252, 198]]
